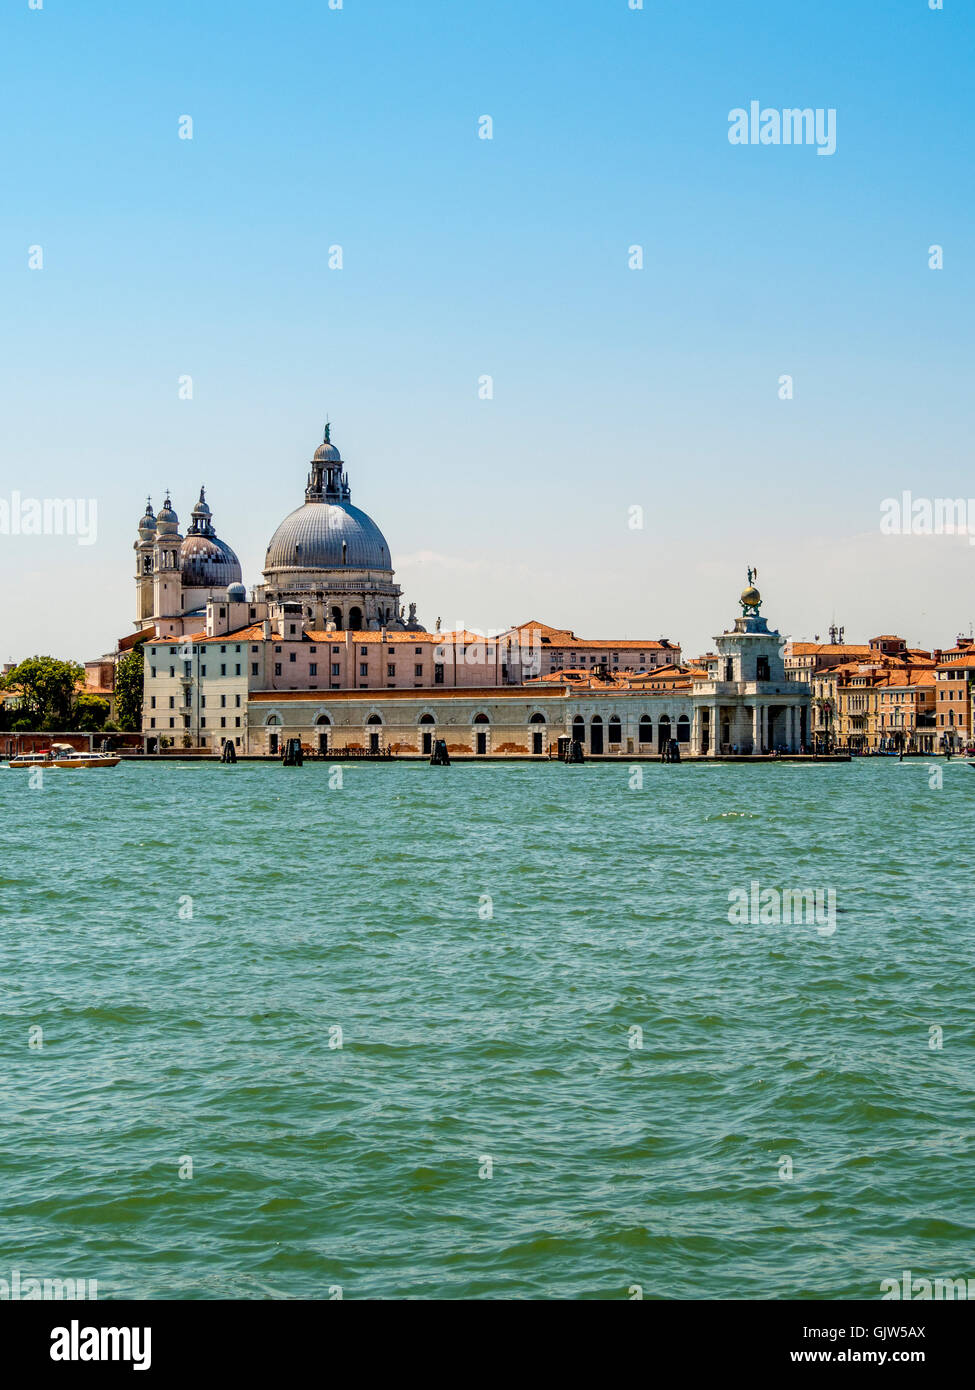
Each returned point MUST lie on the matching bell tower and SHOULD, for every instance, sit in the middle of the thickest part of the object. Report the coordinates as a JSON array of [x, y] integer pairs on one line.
[[144, 564]]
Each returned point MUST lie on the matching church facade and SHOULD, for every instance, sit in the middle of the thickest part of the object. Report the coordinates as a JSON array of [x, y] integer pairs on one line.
[[322, 650]]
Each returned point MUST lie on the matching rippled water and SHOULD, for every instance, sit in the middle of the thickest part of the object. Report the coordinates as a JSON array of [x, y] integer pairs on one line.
[[468, 1036]]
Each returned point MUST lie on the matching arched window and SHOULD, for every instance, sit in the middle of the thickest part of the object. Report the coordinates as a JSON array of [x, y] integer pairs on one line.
[[374, 719], [683, 729], [355, 619], [426, 719], [537, 719], [337, 618], [481, 719], [323, 719], [273, 721]]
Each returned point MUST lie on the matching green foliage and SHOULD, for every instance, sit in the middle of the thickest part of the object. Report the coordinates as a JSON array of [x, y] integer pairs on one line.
[[46, 688], [129, 674], [90, 712]]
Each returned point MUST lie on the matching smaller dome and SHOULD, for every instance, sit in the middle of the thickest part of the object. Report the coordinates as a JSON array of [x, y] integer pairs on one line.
[[237, 593], [167, 522], [147, 523]]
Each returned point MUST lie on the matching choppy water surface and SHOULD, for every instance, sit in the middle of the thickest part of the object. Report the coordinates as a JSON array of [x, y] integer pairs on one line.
[[468, 1036]]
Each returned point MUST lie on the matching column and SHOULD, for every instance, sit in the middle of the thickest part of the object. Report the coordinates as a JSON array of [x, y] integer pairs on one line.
[[715, 730], [756, 729], [788, 728], [764, 725], [696, 730]]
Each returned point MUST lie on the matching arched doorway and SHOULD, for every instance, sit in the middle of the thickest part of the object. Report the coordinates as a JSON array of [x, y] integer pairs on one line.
[[596, 734], [538, 734], [373, 727], [272, 724], [646, 730], [480, 735], [324, 726], [683, 729], [355, 620], [615, 733], [579, 730], [427, 721], [663, 733]]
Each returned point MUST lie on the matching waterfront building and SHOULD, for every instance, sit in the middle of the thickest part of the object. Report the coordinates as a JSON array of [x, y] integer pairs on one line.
[[955, 695], [740, 703], [885, 702], [840, 672]]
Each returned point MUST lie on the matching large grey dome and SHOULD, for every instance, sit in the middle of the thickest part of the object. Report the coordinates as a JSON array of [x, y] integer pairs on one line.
[[328, 535], [206, 562]]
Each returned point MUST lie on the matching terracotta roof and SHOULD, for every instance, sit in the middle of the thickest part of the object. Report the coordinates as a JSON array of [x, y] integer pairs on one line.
[[826, 649], [663, 678], [253, 633], [565, 637], [908, 678]]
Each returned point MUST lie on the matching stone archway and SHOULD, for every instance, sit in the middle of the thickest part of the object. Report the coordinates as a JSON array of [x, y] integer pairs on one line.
[[537, 722], [663, 733], [427, 723], [324, 726]]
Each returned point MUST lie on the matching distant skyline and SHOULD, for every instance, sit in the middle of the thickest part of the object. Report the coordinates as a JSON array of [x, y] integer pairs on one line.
[[160, 258]]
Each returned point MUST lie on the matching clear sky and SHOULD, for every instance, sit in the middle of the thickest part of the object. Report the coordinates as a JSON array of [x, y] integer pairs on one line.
[[463, 257]]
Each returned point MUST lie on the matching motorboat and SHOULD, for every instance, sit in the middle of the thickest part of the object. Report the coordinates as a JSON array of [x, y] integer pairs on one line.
[[43, 757], [74, 759]]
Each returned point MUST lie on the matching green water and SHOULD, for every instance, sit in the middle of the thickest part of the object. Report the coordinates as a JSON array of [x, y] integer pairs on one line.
[[468, 1036]]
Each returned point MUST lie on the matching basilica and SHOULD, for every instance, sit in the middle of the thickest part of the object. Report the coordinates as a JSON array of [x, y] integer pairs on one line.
[[321, 651], [327, 562]]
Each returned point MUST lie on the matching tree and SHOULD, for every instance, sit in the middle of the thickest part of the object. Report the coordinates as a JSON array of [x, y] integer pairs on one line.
[[129, 676], [90, 712], [46, 688]]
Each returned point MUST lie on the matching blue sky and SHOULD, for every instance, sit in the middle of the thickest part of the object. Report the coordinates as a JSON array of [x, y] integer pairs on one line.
[[463, 257]]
